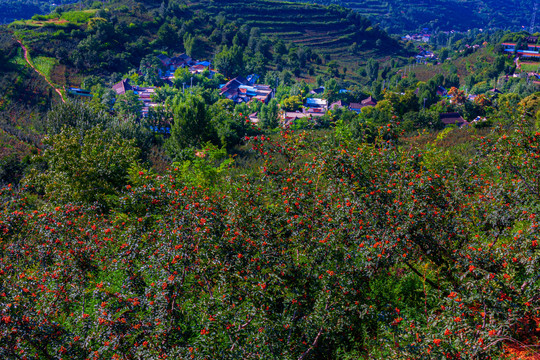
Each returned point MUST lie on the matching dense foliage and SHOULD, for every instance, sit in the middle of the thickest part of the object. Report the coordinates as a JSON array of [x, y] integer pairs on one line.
[[331, 248], [268, 229], [95, 38], [11, 10], [398, 16]]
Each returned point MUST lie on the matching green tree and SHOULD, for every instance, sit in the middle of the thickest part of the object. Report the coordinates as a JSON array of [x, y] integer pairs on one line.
[[443, 54], [451, 80], [269, 115], [182, 78], [354, 48], [403, 104], [192, 125], [86, 166], [75, 114], [331, 90], [292, 103], [230, 61], [128, 104], [11, 169], [498, 66], [280, 48], [372, 69], [333, 69], [150, 67], [108, 99], [166, 36], [4, 63], [194, 46], [229, 125]]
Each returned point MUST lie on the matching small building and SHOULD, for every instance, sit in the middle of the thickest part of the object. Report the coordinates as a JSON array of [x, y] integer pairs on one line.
[[453, 118], [370, 101], [197, 69], [241, 90], [289, 117], [165, 60], [357, 107], [144, 94], [317, 91], [254, 118], [533, 51], [122, 86], [337, 105], [441, 91], [293, 115], [79, 92], [315, 103], [252, 79], [263, 93], [171, 64]]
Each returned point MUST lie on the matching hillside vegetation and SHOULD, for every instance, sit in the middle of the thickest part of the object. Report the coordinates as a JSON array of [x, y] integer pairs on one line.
[[11, 10], [399, 16], [400, 222], [330, 30], [328, 250], [109, 38]]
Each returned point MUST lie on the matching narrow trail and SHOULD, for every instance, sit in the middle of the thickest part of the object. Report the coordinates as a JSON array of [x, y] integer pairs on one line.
[[39, 72]]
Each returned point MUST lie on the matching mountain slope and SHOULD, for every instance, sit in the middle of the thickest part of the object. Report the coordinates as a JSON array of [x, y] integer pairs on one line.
[[399, 16], [11, 10], [113, 38], [330, 30]]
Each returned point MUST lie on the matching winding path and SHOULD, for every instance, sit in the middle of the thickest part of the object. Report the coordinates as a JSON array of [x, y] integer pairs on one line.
[[39, 72]]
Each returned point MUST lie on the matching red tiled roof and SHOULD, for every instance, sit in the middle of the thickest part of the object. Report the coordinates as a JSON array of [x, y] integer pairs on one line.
[[337, 104], [452, 118], [122, 87], [370, 101]]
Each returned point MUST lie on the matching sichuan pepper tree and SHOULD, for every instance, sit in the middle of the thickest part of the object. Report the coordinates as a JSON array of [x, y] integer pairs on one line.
[[331, 247]]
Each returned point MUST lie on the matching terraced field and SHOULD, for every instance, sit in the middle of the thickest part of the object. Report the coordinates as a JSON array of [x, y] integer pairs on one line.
[[330, 30], [369, 7]]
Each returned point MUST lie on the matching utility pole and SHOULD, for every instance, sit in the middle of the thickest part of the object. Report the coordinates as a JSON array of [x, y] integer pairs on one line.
[[533, 19]]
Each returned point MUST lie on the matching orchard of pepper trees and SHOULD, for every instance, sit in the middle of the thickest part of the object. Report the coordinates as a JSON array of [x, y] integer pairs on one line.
[[331, 249]]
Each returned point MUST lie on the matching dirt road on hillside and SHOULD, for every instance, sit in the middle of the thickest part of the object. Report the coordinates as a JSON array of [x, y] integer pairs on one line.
[[39, 72]]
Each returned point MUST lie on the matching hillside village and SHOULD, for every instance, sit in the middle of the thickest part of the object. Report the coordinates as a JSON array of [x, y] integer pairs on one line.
[[239, 90], [246, 90], [318, 103]]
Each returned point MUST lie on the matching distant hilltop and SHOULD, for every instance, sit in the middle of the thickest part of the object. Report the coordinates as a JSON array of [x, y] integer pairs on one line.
[[398, 16], [11, 10]]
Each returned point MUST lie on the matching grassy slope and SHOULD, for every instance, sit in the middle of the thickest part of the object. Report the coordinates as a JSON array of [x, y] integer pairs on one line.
[[26, 95], [463, 64]]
